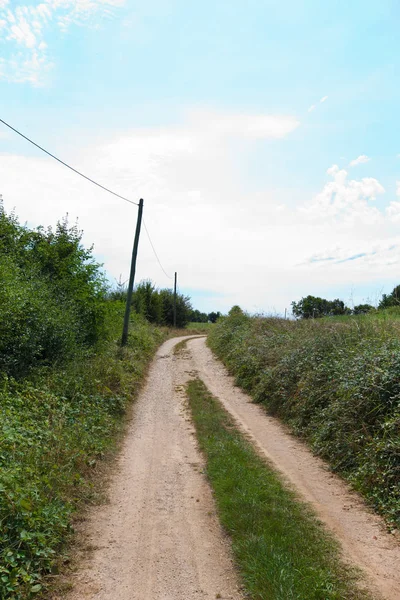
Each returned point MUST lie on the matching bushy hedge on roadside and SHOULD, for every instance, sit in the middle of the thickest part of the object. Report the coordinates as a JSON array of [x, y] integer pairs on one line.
[[54, 428], [64, 386], [336, 382], [52, 295]]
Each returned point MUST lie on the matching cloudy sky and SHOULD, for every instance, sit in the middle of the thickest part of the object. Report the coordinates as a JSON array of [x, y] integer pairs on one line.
[[263, 137]]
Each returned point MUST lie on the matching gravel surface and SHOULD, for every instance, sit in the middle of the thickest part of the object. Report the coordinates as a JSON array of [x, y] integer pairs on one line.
[[158, 538]]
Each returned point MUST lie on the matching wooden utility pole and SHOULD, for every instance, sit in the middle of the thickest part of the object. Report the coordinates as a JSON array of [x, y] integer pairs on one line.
[[132, 275], [176, 275]]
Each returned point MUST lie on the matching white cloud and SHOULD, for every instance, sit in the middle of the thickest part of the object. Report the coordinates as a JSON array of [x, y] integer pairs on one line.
[[25, 27], [243, 125], [314, 106], [346, 201], [393, 211], [360, 160], [204, 222]]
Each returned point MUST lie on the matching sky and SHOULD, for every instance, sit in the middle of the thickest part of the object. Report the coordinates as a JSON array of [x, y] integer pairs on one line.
[[263, 137]]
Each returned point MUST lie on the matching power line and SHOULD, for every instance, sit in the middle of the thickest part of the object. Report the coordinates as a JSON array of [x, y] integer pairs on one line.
[[68, 166], [154, 250]]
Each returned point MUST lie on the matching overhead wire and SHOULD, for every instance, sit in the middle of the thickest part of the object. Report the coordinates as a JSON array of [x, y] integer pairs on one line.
[[154, 250], [67, 165], [91, 181]]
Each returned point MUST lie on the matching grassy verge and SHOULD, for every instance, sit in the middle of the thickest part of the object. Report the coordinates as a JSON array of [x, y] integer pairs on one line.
[[200, 327], [55, 428], [335, 382], [281, 550]]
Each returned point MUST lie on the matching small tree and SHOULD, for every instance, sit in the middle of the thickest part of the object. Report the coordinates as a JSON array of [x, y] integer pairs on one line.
[[392, 299], [362, 309], [214, 316], [313, 307], [183, 308], [147, 302]]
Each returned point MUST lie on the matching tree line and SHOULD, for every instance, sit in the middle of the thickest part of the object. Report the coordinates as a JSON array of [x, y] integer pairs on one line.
[[313, 307]]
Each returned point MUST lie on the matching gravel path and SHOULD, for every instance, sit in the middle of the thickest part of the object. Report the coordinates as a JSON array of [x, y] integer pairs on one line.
[[158, 538], [363, 536]]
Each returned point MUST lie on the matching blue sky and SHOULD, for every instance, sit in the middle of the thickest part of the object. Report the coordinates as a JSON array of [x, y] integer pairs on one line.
[[262, 135]]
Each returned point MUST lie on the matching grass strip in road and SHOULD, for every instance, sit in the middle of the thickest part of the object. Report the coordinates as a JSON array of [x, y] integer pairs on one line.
[[281, 550]]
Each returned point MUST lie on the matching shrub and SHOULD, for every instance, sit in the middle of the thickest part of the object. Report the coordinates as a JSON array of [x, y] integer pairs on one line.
[[335, 382]]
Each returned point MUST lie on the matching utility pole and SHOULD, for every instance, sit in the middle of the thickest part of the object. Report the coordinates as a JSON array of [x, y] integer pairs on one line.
[[176, 275], [132, 275]]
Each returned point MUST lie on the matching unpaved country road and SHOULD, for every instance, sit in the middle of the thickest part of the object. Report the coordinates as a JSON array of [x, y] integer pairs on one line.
[[158, 537]]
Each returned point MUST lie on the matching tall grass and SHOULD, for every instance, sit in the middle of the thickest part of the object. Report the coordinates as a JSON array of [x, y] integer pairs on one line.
[[335, 381]]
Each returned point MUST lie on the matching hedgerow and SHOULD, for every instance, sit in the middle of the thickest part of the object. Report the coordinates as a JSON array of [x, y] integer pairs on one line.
[[335, 381], [65, 384]]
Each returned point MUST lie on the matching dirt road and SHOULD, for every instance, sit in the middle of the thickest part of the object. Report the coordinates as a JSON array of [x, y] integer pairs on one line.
[[159, 539]]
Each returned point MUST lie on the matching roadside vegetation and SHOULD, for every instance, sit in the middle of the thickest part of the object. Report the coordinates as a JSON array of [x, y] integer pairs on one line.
[[65, 384], [281, 550], [155, 305], [335, 381]]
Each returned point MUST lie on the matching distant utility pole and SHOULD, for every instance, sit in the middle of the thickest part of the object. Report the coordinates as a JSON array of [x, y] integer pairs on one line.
[[132, 275], [176, 275]]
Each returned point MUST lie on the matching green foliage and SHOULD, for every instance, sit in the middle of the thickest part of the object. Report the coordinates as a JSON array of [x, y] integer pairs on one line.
[[157, 306], [146, 301], [392, 299], [198, 317], [64, 387], [214, 316], [312, 307], [52, 295], [335, 381], [54, 428], [282, 552], [362, 309]]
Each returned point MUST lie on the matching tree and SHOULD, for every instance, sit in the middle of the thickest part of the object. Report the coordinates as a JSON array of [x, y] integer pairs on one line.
[[147, 302], [183, 308], [362, 309], [392, 299], [213, 316], [198, 317], [313, 307]]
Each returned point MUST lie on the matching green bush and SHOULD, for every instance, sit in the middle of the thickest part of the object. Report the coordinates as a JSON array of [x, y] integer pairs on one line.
[[52, 295], [64, 387], [54, 428], [335, 381]]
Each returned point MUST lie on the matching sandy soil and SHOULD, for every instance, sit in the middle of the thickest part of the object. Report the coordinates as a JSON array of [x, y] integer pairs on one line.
[[158, 538], [362, 535]]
